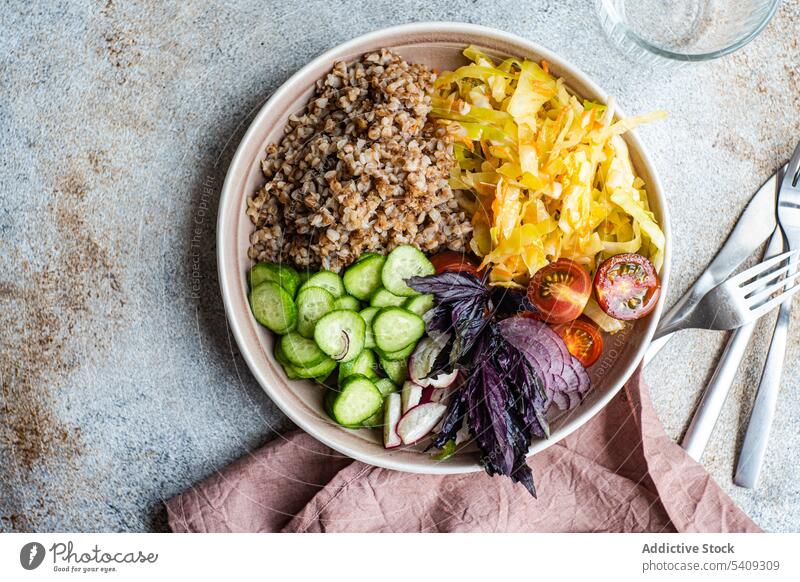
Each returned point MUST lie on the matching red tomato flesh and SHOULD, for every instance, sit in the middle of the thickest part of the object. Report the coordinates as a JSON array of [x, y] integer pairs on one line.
[[453, 261], [560, 290], [627, 286], [583, 340]]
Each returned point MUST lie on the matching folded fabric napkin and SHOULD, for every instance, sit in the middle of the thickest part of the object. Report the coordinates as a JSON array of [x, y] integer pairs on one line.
[[618, 473]]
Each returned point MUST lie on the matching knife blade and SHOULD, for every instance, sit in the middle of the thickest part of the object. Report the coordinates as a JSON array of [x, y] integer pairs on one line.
[[756, 223]]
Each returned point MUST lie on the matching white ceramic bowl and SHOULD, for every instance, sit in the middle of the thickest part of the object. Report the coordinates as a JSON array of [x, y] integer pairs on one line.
[[438, 45]]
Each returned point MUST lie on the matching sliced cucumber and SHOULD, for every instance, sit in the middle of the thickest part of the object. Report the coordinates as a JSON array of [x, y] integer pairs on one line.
[[368, 255], [363, 278], [347, 302], [312, 303], [283, 275], [304, 275], [398, 355], [327, 280], [419, 304], [365, 364], [396, 370], [385, 386], [367, 315], [357, 400], [341, 334], [300, 351], [382, 298], [281, 358], [321, 370], [403, 263], [375, 420], [395, 328], [273, 307]]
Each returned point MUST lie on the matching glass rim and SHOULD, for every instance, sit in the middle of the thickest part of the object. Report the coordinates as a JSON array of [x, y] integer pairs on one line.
[[706, 56]]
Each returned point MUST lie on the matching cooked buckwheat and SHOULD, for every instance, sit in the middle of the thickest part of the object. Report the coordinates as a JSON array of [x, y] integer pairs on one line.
[[359, 170]]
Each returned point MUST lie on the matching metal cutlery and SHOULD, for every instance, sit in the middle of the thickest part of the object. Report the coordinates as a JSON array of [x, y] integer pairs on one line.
[[754, 446], [710, 406], [754, 226], [742, 298]]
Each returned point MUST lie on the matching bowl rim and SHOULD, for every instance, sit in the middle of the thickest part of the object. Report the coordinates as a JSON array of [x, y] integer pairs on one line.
[[226, 237]]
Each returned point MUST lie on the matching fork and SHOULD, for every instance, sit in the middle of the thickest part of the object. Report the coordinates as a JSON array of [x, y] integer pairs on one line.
[[742, 298], [754, 445]]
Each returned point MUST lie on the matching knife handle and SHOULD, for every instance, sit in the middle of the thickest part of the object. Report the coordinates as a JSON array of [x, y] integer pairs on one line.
[[713, 399], [755, 439]]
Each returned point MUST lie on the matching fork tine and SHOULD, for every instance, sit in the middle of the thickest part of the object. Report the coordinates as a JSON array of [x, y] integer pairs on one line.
[[790, 176], [789, 285], [756, 270], [765, 279], [765, 308]]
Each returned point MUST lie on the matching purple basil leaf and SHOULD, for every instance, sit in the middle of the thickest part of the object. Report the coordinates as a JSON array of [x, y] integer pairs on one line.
[[448, 287], [453, 419], [498, 430], [469, 320], [510, 302]]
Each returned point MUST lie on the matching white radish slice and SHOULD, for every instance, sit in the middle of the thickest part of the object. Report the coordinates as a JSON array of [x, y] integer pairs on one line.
[[440, 381], [392, 411], [422, 359], [419, 422], [411, 395]]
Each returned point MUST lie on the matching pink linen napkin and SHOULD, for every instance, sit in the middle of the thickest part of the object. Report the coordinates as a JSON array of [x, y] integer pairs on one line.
[[618, 473]]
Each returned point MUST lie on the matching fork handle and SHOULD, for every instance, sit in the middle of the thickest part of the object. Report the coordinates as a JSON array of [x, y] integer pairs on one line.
[[755, 439], [713, 399]]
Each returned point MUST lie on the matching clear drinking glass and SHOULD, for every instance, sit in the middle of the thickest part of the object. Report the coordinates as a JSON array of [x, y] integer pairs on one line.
[[662, 31]]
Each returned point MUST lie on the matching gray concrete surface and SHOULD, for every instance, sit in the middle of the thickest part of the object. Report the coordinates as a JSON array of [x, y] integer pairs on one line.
[[121, 386]]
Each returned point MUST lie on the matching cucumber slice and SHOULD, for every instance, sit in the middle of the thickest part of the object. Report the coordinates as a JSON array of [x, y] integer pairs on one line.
[[283, 275], [398, 355], [312, 303], [402, 263], [363, 278], [341, 334], [367, 315], [357, 400], [327, 280], [368, 255], [281, 358], [273, 307], [396, 370], [396, 328], [419, 304], [321, 370], [347, 302], [365, 364], [385, 386], [304, 276], [301, 351], [374, 421], [382, 298]]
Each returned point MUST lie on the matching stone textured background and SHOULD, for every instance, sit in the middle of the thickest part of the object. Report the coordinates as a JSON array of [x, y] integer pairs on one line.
[[121, 386]]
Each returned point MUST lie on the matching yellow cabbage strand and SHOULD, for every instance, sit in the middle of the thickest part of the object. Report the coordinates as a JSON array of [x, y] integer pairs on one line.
[[549, 175]]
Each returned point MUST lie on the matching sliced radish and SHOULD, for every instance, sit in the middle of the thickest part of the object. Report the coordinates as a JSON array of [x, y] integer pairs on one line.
[[440, 381], [422, 359], [392, 411], [428, 394], [419, 422], [410, 396]]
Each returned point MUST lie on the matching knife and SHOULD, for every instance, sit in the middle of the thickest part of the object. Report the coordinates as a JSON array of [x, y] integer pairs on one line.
[[754, 226], [754, 446]]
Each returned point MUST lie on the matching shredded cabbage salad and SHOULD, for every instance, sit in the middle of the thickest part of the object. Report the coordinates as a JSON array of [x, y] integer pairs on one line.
[[544, 174]]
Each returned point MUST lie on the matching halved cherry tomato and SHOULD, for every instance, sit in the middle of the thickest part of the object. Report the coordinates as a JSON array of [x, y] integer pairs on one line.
[[560, 291], [627, 286], [453, 261], [583, 340]]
